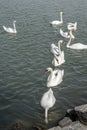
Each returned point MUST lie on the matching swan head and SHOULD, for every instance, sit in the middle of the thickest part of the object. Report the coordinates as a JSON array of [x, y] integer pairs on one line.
[[61, 12], [14, 21], [60, 41], [49, 69]]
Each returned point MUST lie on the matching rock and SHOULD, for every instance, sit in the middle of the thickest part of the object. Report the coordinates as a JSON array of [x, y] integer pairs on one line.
[[64, 122], [71, 114], [81, 112], [55, 128]]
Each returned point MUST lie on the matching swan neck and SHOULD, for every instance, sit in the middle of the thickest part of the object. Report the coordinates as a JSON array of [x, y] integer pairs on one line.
[[14, 26], [61, 17], [68, 44], [46, 113]]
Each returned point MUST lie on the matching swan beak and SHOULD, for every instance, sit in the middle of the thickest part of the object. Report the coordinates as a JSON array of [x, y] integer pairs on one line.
[[46, 71]]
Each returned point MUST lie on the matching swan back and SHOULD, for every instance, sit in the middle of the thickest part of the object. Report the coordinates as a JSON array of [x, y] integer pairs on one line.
[[48, 99], [58, 60], [54, 78]]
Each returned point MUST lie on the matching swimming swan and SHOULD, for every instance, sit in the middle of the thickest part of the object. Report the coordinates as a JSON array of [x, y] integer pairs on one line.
[[66, 34], [55, 77], [72, 26], [11, 30], [56, 22], [76, 46], [56, 49], [47, 101]]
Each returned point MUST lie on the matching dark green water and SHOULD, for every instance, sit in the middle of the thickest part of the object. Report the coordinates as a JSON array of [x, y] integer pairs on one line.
[[24, 57]]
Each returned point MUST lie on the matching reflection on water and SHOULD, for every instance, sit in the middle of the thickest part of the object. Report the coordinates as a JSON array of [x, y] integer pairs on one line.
[[25, 56]]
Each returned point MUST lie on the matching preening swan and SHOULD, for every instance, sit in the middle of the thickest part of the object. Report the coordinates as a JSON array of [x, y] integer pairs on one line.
[[72, 26], [11, 30], [56, 22], [76, 46], [47, 101], [66, 34], [56, 49], [55, 77]]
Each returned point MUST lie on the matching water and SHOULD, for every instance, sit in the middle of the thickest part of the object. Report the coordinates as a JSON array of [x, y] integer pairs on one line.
[[25, 56]]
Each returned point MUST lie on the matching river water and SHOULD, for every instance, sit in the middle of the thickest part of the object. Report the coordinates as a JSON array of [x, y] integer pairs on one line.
[[25, 56]]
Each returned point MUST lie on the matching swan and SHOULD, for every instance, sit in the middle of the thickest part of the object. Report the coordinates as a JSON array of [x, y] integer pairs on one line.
[[56, 22], [66, 34], [56, 49], [72, 26], [76, 46], [55, 77], [58, 60], [47, 101], [11, 30]]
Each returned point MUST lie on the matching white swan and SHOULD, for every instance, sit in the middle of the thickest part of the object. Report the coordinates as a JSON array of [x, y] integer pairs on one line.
[[11, 30], [72, 26], [55, 77], [58, 60], [56, 22], [76, 46], [56, 49], [66, 34], [47, 101]]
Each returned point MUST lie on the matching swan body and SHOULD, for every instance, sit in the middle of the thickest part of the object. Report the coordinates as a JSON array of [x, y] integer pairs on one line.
[[58, 60], [76, 46], [47, 101], [56, 49], [56, 22], [72, 26], [55, 77], [66, 34], [11, 30]]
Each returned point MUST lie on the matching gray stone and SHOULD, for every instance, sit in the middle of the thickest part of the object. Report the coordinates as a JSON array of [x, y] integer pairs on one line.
[[65, 121], [81, 108], [56, 128]]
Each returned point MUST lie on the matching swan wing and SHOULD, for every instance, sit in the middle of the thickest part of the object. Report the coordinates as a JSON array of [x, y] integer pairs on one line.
[[64, 34], [54, 49]]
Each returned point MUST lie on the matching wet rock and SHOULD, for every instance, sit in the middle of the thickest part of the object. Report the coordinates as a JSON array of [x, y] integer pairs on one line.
[[65, 122], [56, 128], [17, 125], [81, 112]]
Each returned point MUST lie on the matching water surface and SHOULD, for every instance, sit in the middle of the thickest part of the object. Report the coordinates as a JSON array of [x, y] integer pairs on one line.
[[24, 57]]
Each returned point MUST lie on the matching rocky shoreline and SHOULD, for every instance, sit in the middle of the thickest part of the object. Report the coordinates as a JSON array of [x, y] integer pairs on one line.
[[74, 119]]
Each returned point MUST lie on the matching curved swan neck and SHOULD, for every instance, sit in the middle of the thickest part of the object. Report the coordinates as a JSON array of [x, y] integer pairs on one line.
[[68, 44], [71, 35]]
